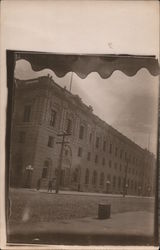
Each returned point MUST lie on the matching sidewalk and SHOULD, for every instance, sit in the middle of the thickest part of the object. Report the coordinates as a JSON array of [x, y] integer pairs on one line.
[[91, 194], [131, 227]]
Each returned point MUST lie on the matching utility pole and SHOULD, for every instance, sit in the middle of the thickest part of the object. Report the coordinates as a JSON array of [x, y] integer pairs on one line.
[[63, 142]]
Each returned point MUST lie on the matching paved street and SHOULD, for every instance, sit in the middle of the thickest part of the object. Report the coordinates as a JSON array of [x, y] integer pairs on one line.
[[126, 223], [37, 216], [129, 228]]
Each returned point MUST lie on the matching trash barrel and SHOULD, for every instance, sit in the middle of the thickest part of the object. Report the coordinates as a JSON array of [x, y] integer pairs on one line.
[[104, 211]]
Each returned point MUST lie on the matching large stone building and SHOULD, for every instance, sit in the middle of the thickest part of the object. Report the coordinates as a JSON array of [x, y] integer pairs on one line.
[[96, 158]]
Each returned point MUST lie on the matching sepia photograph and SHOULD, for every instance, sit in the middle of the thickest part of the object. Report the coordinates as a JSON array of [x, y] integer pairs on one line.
[[79, 117], [82, 149]]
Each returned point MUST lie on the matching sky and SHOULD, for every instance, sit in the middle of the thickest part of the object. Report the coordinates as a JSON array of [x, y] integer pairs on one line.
[[105, 27], [129, 104]]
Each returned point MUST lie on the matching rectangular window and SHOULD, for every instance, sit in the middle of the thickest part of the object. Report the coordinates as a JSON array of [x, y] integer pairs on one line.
[[50, 141], [110, 164], [116, 151], [22, 136], [125, 156], [53, 118], [69, 126], [120, 167], [97, 142], [128, 158], [133, 160], [27, 113], [96, 159], [81, 132], [114, 181], [90, 137], [104, 146], [115, 165], [80, 152], [110, 148], [103, 161], [66, 152], [121, 154], [124, 182], [128, 183], [89, 156], [119, 182]]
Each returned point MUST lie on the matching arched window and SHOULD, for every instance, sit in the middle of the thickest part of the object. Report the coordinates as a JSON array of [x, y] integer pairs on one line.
[[45, 169], [87, 176], [46, 166], [94, 179], [75, 175], [102, 179]]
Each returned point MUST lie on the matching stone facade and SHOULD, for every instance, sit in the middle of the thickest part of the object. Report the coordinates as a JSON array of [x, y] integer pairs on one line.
[[97, 158]]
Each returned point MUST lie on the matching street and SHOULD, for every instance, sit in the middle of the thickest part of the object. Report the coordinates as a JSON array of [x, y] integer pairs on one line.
[[41, 213]]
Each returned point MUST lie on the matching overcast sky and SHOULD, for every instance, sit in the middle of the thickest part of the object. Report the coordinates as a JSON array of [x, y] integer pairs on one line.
[[129, 104]]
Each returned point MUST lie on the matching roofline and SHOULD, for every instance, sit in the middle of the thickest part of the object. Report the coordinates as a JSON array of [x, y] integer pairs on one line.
[[94, 115]]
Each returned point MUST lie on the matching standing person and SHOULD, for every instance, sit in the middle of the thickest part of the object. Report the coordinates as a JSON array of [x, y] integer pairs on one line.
[[50, 186], [53, 184], [38, 184]]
